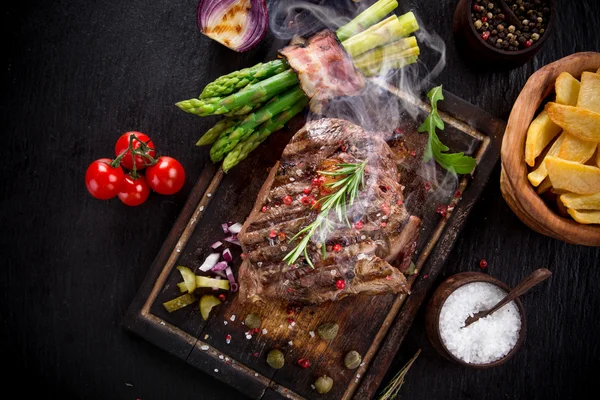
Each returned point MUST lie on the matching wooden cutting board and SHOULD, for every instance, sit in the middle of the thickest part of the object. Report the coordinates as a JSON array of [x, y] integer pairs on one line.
[[372, 325]]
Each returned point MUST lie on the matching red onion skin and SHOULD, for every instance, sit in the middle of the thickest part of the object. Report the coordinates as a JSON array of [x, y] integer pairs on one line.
[[227, 255], [258, 20], [233, 286], [220, 266]]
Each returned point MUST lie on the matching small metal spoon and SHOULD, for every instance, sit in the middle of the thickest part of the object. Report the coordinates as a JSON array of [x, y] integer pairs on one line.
[[530, 281]]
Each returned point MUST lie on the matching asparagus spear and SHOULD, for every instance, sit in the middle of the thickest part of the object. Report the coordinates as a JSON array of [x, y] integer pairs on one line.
[[213, 133], [243, 148], [250, 95], [383, 52], [384, 59], [232, 136], [396, 64], [370, 16], [386, 31], [237, 80]]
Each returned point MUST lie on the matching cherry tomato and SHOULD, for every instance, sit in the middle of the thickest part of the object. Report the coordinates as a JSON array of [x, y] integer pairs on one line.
[[122, 146], [134, 191], [166, 176], [103, 181]]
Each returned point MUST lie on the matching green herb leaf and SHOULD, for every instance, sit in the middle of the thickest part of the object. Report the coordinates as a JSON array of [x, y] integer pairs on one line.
[[456, 163], [338, 201]]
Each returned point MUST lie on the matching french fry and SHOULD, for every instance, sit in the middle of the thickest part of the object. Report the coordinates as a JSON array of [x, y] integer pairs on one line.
[[581, 201], [585, 217], [589, 92], [540, 173], [575, 149], [541, 131], [567, 89], [584, 124], [573, 177]]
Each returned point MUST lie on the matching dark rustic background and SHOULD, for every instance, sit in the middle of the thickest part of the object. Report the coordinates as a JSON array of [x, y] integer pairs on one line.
[[79, 73]]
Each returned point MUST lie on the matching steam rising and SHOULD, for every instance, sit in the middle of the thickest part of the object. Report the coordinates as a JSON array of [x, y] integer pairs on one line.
[[376, 108]]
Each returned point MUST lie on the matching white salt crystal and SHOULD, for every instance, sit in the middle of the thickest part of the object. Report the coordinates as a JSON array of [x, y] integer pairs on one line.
[[232, 318], [487, 340], [312, 334], [205, 347], [265, 331]]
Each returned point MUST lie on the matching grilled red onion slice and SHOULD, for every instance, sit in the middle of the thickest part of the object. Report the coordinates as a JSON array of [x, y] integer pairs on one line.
[[237, 24]]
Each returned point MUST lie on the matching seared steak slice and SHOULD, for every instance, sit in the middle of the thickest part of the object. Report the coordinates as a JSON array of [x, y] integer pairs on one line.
[[324, 69], [374, 250]]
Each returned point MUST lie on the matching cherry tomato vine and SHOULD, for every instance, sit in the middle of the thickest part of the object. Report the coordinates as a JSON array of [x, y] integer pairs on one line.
[[135, 151]]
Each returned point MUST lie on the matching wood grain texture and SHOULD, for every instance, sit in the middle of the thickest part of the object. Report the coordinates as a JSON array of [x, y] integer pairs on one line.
[[79, 73], [516, 189]]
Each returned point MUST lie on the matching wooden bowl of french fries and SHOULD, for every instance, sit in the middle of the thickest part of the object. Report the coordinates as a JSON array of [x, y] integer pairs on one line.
[[550, 151]]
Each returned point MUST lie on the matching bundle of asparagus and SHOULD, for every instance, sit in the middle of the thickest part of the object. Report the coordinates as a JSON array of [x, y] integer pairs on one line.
[[259, 100]]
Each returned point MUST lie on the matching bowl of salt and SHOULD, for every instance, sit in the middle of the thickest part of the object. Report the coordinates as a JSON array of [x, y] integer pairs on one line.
[[486, 342]]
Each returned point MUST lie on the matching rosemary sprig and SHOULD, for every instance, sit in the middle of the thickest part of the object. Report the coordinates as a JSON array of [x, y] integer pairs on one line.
[[392, 389], [347, 190]]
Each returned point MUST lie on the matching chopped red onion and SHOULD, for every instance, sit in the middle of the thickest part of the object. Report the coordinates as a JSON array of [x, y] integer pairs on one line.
[[227, 255], [216, 245], [235, 228], [220, 273], [232, 239], [233, 286], [225, 228], [210, 262], [220, 266]]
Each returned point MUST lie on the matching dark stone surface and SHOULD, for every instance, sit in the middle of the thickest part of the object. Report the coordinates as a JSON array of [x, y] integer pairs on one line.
[[79, 73]]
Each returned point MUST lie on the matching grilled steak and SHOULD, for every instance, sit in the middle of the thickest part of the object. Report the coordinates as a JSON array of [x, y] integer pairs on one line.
[[324, 69], [374, 250]]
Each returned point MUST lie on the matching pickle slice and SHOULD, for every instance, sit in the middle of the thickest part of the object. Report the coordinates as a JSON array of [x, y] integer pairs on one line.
[[207, 302], [189, 278], [182, 287], [204, 281], [179, 302]]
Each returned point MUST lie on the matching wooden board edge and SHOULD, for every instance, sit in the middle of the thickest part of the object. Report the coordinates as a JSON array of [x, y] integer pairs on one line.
[[133, 319], [434, 264]]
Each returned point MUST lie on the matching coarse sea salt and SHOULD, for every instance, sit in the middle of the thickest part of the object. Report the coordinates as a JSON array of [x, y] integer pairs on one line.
[[486, 340]]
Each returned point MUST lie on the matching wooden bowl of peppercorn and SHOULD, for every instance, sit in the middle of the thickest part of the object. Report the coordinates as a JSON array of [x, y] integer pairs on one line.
[[516, 188], [502, 34]]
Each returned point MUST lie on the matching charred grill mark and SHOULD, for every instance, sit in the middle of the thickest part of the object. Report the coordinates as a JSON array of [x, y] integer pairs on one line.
[[361, 260]]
